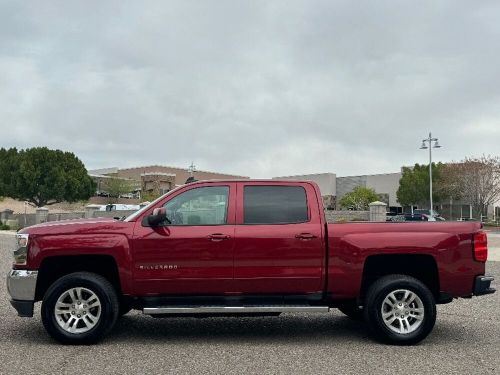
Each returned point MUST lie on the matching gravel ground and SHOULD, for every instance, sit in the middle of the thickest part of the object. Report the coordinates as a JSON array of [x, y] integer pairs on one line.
[[466, 340]]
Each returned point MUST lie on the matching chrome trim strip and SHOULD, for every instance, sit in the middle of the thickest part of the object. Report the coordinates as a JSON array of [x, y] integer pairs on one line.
[[487, 278], [232, 309], [21, 284]]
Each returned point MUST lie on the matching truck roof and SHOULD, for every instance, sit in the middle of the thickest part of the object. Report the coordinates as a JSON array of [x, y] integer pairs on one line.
[[253, 180]]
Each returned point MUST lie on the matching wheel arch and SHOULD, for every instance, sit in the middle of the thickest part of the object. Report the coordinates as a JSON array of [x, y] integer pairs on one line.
[[55, 267], [420, 266]]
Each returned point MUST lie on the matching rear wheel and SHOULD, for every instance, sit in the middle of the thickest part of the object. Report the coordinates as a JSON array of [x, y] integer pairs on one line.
[[80, 308], [400, 310]]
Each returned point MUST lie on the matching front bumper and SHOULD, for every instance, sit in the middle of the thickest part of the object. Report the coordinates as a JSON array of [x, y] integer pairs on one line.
[[21, 285], [482, 285]]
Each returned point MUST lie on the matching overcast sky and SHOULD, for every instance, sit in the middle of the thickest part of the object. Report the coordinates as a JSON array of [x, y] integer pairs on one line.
[[257, 88]]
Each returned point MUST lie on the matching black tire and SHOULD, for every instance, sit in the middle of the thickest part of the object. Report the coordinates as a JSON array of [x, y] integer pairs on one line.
[[109, 306], [374, 303], [352, 310]]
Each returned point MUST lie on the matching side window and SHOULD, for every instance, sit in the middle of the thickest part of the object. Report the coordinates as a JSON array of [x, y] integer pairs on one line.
[[199, 206], [274, 205]]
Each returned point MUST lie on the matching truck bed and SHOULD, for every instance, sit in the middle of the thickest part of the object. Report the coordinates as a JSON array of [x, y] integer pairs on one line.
[[448, 244]]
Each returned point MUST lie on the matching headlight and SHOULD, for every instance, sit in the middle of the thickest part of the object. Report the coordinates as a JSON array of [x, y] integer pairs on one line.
[[21, 252]]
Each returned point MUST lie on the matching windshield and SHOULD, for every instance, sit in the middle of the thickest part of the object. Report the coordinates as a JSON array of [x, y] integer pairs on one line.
[[134, 215]]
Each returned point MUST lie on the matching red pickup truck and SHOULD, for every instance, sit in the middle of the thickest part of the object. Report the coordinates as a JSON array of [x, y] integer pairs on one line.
[[215, 248]]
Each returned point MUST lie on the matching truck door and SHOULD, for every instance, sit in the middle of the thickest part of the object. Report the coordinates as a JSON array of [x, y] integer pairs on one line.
[[279, 239], [193, 254]]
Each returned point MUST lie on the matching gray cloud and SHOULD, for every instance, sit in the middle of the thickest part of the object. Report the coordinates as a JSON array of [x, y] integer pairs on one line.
[[251, 87]]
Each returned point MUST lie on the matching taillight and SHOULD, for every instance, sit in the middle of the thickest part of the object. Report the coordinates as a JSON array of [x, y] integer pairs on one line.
[[480, 246]]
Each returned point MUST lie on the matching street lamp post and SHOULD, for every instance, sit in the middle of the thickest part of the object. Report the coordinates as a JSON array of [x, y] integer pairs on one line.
[[430, 147]]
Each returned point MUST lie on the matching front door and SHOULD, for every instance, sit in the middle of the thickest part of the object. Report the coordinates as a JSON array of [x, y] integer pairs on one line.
[[193, 253]]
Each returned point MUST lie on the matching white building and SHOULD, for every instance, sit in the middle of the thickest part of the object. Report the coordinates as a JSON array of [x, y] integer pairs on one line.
[[333, 188]]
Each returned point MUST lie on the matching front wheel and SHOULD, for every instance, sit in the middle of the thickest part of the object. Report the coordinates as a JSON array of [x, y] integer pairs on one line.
[[400, 310], [80, 308]]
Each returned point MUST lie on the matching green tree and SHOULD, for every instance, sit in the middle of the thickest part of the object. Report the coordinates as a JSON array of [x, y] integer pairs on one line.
[[414, 185], [116, 186], [8, 165], [149, 196], [359, 198], [43, 177]]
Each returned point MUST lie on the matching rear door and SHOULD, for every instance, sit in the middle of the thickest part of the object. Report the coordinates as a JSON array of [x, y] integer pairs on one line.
[[279, 239]]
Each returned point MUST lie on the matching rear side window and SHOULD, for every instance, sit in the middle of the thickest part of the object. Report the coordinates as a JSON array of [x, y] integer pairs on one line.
[[274, 205]]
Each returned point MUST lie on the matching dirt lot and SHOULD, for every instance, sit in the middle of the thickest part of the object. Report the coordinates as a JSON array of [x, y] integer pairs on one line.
[[18, 206]]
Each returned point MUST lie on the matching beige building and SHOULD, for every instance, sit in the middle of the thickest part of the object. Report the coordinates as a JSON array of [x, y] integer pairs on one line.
[[155, 179]]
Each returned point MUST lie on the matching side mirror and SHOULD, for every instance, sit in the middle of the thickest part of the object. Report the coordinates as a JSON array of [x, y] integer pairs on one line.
[[159, 215]]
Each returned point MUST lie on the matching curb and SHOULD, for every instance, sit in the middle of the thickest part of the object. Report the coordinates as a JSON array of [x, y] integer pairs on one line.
[[7, 233]]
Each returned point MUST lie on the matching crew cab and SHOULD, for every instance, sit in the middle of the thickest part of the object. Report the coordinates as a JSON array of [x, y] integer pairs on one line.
[[252, 247]]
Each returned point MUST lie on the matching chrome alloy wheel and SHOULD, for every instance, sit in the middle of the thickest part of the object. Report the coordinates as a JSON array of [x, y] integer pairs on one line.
[[77, 310], [402, 311]]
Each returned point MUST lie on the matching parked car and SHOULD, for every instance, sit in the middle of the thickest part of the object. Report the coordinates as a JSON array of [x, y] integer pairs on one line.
[[428, 215], [244, 248], [119, 207], [418, 215], [422, 217]]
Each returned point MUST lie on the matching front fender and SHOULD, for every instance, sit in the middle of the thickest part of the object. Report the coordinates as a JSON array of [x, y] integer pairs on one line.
[[115, 245]]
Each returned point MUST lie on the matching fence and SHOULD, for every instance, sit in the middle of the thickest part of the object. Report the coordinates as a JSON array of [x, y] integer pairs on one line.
[[42, 215], [19, 221], [342, 216]]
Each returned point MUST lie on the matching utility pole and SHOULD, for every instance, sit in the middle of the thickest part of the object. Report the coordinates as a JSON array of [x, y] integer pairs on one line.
[[192, 169]]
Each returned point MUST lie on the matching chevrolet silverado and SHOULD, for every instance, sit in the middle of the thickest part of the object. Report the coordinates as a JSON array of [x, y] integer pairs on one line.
[[244, 248]]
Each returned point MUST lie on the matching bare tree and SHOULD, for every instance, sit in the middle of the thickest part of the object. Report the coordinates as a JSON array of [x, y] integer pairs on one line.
[[475, 181]]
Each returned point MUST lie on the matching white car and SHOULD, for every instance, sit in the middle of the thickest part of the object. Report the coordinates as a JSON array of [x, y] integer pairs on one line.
[[119, 207]]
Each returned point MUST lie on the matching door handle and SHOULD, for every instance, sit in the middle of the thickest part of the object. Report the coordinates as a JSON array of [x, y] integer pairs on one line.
[[218, 237], [305, 236]]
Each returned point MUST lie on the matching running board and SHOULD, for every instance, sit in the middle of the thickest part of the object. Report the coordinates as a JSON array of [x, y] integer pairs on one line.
[[232, 309]]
